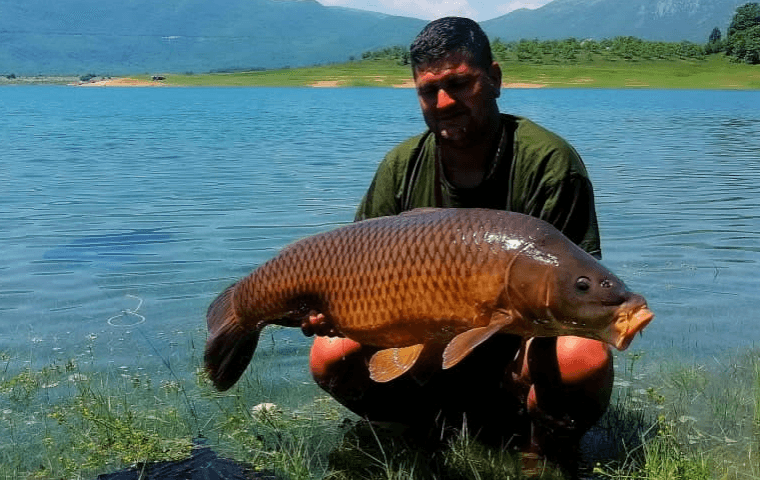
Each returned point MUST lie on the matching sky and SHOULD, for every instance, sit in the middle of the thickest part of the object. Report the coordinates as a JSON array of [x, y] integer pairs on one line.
[[431, 9]]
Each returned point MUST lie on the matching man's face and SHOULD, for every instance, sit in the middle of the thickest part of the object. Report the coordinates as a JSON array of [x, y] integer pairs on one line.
[[458, 99]]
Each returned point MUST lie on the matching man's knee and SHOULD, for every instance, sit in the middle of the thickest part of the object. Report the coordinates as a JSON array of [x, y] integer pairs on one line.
[[570, 376], [339, 367], [582, 360], [329, 357]]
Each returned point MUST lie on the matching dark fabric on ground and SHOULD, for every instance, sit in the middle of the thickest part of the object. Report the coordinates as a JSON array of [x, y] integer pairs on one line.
[[203, 464]]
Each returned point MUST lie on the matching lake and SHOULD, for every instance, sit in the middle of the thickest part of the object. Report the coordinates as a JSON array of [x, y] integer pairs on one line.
[[125, 211]]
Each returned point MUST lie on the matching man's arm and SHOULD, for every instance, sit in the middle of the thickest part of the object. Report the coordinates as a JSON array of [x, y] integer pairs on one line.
[[550, 182], [384, 195], [569, 205], [380, 199]]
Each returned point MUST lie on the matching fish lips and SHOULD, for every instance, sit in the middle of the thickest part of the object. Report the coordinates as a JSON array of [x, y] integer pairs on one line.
[[631, 318]]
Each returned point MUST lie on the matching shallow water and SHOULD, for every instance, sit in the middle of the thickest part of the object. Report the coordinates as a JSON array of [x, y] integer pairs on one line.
[[125, 211]]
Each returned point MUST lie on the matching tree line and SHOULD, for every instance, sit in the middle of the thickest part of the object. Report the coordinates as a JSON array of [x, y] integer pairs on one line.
[[570, 50], [741, 43]]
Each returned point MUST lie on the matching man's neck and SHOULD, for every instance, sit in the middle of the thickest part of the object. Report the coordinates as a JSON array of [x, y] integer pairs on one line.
[[468, 167]]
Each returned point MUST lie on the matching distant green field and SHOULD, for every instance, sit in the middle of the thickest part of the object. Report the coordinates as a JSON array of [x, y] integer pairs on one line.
[[367, 73], [714, 72]]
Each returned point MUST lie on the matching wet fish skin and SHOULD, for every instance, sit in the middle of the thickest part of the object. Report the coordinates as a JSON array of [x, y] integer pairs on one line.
[[446, 276]]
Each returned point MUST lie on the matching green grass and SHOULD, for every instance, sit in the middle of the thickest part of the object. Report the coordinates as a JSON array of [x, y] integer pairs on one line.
[[359, 74], [70, 419], [702, 423], [711, 72], [714, 72], [80, 421]]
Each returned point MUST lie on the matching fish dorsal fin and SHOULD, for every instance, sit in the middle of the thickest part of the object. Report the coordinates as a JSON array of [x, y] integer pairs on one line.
[[391, 363], [464, 343]]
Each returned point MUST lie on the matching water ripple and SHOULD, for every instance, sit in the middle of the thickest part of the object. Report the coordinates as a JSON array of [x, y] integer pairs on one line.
[[170, 195]]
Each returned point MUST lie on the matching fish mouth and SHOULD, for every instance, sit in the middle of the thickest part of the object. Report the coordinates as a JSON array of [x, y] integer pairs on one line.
[[631, 318]]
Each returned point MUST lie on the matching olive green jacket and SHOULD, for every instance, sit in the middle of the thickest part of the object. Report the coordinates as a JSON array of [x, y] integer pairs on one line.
[[535, 172]]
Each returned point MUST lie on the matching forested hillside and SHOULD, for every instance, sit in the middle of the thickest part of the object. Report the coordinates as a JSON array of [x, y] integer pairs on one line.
[[148, 36], [136, 36], [661, 20]]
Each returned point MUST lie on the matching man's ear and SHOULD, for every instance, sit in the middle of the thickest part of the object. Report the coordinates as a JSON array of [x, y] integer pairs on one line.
[[494, 77]]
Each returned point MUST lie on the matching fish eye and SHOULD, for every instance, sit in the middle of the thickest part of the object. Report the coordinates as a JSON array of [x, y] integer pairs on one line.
[[583, 284]]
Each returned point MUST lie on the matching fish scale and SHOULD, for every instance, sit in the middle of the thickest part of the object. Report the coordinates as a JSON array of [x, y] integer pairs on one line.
[[359, 290], [424, 276]]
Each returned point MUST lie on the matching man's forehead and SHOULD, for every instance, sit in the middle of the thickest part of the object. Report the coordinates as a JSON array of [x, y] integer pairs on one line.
[[458, 61]]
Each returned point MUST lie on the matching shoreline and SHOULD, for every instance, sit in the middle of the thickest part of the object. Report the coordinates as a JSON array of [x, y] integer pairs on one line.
[[135, 82], [352, 82], [715, 72], [120, 82]]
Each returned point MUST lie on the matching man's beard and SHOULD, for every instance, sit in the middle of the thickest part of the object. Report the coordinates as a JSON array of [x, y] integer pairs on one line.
[[455, 130], [449, 134]]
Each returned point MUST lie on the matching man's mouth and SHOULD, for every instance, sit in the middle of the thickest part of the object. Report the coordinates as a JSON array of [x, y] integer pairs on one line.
[[452, 127], [453, 133], [451, 117]]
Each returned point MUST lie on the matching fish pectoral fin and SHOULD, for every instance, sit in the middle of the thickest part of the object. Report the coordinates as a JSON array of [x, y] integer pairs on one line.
[[391, 363], [464, 343]]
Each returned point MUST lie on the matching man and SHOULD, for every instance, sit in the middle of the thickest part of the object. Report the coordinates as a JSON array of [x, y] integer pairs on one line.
[[527, 392]]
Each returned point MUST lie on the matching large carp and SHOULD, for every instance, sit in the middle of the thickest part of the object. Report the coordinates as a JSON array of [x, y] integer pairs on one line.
[[449, 276]]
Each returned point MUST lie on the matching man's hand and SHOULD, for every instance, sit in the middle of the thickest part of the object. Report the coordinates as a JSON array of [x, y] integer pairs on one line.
[[317, 324]]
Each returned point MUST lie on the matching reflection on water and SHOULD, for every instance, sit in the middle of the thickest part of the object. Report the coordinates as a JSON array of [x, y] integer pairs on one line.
[[108, 248], [125, 212]]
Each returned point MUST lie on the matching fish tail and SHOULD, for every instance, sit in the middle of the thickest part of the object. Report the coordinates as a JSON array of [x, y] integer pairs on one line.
[[229, 347]]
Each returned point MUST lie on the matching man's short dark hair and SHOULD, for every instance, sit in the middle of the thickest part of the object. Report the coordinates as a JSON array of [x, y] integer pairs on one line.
[[448, 35]]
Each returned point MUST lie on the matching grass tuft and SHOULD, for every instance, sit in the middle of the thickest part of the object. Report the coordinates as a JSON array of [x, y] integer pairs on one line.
[[74, 419]]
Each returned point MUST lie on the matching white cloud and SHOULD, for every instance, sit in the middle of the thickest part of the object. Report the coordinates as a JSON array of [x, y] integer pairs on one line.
[[342, 3], [510, 5], [430, 9], [424, 9]]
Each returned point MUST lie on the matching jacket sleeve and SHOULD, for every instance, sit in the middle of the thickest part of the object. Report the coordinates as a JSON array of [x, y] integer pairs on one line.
[[384, 195], [380, 199]]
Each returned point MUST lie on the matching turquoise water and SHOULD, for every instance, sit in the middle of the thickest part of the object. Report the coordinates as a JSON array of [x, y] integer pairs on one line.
[[125, 211]]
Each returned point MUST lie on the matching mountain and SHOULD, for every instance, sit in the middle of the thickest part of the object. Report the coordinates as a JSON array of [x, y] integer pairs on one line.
[[663, 20], [134, 36], [115, 37]]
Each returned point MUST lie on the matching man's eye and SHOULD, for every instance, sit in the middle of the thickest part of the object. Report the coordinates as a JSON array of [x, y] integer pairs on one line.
[[427, 92], [458, 83]]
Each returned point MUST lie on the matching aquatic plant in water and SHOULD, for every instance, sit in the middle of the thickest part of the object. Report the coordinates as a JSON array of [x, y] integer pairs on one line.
[[68, 419]]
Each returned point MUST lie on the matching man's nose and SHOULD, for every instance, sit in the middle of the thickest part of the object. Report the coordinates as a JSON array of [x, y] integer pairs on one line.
[[444, 99]]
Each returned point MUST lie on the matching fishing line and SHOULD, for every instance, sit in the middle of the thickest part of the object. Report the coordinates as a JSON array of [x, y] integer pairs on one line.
[[125, 312], [167, 364]]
